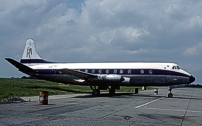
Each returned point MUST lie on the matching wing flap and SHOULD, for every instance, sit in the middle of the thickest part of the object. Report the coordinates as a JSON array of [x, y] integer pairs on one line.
[[78, 74]]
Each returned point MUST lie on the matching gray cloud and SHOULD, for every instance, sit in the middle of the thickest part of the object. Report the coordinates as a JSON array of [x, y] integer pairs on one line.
[[103, 30]]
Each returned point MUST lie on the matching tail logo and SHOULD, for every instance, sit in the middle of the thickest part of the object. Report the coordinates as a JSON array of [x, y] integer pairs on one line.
[[29, 52]]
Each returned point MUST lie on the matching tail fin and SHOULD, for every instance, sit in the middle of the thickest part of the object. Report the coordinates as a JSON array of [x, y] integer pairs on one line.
[[30, 54]]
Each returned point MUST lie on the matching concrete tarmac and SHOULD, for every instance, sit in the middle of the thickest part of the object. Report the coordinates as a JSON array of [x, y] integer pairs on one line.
[[123, 109]]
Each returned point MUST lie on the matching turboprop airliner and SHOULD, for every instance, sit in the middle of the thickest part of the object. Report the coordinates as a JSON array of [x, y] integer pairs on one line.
[[101, 76]]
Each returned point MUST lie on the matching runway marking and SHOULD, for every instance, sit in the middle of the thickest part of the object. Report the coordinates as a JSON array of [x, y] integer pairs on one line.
[[148, 103], [71, 103], [130, 107], [182, 110]]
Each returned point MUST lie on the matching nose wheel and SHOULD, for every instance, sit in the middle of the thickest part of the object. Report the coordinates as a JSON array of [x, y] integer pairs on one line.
[[170, 95]]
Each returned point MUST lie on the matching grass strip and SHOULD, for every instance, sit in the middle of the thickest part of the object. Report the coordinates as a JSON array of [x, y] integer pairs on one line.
[[10, 87]]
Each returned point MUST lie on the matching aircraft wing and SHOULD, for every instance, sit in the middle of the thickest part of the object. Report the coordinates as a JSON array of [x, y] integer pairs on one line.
[[78, 74]]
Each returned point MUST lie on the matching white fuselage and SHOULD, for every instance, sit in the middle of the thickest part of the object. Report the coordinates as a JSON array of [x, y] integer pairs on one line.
[[114, 66], [135, 73]]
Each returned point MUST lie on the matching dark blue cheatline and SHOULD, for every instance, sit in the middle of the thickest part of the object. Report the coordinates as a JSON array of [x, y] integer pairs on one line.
[[121, 71], [34, 61]]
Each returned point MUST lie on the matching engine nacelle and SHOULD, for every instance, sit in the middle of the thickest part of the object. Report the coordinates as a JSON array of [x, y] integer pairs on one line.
[[126, 80], [111, 78]]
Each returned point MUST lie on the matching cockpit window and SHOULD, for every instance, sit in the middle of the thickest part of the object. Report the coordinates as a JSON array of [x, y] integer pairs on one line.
[[176, 67]]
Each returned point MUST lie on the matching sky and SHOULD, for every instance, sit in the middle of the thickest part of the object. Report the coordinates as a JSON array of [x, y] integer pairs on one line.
[[103, 30]]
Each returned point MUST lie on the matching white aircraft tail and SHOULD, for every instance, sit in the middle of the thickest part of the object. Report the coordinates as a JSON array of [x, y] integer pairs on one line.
[[30, 54]]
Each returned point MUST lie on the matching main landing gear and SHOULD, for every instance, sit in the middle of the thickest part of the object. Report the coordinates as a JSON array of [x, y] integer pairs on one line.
[[112, 91], [170, 95], [95, 91]]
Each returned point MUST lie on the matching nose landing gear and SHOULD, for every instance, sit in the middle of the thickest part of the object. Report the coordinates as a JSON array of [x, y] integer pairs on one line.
[[170, 95]]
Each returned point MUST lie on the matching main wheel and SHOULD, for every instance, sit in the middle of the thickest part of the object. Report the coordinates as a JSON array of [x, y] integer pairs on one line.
[[112, 91], [96, 92]]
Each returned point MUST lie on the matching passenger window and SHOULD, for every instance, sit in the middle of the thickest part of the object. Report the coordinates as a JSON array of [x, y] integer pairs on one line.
[[121, 71], [129, 71], [93, 71], [100, 71], [150, 71], [115, 71], [86, 71], [107, 71], [142, 71]]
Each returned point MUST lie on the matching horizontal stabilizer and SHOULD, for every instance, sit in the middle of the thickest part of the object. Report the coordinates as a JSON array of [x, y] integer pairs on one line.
[[79, 74], [20, 66]]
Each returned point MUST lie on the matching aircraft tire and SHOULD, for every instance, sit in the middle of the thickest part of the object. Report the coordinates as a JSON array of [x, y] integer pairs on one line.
[[170, 95], [96, 92], [112, 91]]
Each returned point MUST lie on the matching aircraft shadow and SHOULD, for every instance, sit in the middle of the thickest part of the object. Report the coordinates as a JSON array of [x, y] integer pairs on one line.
[[117, 95], [57, 88], [105, 95], [124, 95]]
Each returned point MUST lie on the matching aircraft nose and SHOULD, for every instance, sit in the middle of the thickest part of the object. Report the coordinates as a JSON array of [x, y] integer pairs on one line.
[[191, 79]]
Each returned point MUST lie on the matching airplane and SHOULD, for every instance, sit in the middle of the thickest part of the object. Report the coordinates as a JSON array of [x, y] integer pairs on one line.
[[103, 75]]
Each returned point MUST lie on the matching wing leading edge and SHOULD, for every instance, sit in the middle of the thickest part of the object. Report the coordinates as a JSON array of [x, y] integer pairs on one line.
[[78, 74]]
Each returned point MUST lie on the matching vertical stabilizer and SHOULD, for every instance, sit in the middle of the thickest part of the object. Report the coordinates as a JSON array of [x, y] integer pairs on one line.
[[30, 51], [30, 55]]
